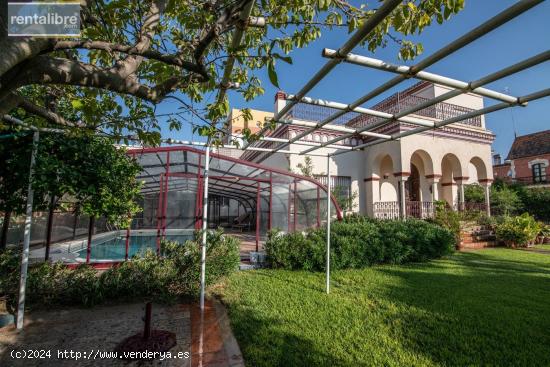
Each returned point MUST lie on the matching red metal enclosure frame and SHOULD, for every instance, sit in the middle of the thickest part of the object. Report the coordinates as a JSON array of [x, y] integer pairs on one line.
[[136, 151], [248, 190]]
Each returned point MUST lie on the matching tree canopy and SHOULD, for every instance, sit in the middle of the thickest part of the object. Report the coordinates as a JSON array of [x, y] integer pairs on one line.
[[86, 170], [136, 54]]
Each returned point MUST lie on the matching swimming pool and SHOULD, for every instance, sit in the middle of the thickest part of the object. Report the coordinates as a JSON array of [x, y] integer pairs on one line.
[[114, 249]]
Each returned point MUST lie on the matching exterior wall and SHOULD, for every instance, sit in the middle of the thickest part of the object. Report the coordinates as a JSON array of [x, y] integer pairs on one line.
[[501, 171], [237, 122], [446, 158], [522, 166]]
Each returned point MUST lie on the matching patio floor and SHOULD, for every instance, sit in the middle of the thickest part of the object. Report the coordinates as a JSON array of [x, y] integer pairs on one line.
[[208, 341]]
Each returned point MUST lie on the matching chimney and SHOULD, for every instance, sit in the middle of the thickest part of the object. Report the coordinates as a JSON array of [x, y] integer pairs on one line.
[[497, 159], [280, 101]]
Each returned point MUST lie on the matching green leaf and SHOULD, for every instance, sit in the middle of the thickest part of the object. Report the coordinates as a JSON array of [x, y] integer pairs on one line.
[[272, 74], [77, 104]]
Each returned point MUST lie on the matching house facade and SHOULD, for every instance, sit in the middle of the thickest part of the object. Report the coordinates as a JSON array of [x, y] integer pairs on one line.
[[395, 178], [527, 161]]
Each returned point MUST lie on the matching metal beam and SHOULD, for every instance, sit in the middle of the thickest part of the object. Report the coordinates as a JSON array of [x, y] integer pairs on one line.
[[512, 69], [26, 237], [422, 75], [383, 11], [493, 23], [497, 107]]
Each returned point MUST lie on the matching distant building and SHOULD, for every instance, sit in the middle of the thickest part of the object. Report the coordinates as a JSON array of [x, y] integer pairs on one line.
[[528, 160], [235, 125]]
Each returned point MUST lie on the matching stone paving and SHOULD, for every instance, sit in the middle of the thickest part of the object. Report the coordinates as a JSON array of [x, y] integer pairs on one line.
[[90, 330]]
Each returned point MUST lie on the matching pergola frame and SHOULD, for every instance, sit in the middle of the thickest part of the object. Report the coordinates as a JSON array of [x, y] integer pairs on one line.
[[343, 54]]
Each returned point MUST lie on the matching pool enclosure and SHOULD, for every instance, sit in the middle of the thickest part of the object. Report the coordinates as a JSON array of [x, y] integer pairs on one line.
[[243, 196], [246, 199]]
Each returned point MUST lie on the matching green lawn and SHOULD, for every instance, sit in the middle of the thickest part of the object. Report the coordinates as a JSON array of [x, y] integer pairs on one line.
[[489, 307], [543, 247]]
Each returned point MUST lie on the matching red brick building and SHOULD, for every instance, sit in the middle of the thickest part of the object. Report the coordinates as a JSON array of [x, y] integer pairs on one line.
[[528, 161]]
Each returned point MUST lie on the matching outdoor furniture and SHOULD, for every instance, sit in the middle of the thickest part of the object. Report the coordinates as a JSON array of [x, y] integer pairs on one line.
[[242, 222]]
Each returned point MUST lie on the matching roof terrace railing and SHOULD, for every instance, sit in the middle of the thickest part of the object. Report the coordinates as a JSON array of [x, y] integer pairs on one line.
[[398, 103]]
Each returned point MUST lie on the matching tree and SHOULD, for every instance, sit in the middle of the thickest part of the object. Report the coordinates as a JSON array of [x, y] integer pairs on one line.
[[88, 170], [505, 200], [536, 200], [100, 177], [15, 152], [135, 54], [306, 169], [345, 202]]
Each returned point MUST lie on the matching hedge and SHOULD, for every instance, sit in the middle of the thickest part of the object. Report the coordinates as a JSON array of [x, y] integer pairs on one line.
[[359, 242], [172, 276]]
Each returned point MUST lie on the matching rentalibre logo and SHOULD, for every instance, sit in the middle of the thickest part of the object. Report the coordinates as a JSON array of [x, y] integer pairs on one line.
[[43, 18]]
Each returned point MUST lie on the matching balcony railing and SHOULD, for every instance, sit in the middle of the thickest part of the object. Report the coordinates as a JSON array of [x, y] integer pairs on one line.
[[420, 209], [399, 103], [530, 180], [415, 209], [386, 210], [307, 112]]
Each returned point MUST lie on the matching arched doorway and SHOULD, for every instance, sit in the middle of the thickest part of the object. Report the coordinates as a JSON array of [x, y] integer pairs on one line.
[[412, 185], [450, 170]]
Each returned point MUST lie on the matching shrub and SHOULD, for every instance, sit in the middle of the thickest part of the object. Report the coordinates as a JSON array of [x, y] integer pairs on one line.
[[474, 193], [174, 275], [505, 200], [537, 202], [358, 242], [448, 219], [518, 231], [295, 250]]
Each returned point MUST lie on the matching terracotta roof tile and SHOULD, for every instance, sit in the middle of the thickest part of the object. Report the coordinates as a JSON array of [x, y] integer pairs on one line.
[[530, 145]]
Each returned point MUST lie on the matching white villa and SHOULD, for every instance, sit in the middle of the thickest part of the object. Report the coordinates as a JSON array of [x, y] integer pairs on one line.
[[395, 178]]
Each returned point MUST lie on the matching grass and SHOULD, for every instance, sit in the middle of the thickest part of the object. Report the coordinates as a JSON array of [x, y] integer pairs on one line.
[[543, 247], [489, 307]]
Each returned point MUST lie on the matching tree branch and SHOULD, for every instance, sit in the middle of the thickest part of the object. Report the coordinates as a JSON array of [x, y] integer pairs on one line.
[[15, 100], [52, 70], [171, 59]]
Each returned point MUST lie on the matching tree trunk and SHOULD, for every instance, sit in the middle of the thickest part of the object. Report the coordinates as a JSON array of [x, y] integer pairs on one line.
[[49, 228], [90, 233], [75, 222], [5, 227]]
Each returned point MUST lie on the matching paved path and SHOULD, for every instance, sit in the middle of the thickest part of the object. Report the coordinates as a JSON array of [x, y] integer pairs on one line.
[[91, 330], [212, 341]]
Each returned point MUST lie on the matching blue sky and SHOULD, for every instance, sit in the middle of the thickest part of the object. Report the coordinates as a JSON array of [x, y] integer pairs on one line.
[[525, 36]]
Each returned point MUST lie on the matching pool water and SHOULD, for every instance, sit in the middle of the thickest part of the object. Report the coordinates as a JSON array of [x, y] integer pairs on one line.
[[115, 249]]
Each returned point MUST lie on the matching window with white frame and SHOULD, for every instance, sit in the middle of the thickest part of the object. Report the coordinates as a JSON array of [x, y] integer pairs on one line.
[[341, 184], [539, 172]]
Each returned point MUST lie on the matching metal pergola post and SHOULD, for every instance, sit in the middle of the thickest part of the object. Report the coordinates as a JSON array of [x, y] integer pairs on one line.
[[328, 227], [270, 199], [27, 236], [258, 208], [204, 225], [159, 210], [165, 202], [127, 242]]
